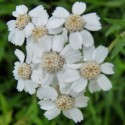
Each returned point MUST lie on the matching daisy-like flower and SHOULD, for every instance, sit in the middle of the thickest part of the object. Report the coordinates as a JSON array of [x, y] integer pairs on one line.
[[75, 24], [23, 18], [92, 70], [22, 72], [53, 56], [68, 103], [37, 30]]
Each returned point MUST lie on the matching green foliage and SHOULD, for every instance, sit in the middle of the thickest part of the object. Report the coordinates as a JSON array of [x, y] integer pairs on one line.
[[104, 108]]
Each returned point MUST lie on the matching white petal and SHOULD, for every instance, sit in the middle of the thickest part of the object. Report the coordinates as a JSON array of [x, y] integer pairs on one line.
[[34, 52], [87, 38], [28, 29], [29, 52], [21, 9], [104, 83], [16, 37], [29, 55], [47, 92], [55, 23], [58, 43], [107, 68], [15, 71], [73, 57], [20, 85], [100, 54], [66, 49], [65, 34], [61, 82], [60, 12], [78, 8], [46, 44], [71, 75], [37, 76], [81, 101], [15, 14], [74, 66], [51, 114], [66, 113], [65, 90], [75, 114], [93, 86], [47, 104], [87, 53], [20, 55], [11, 25], [75, 40], [55, 31], [35, 12], [30, 87], [92, 22], [79, 85], [47, 79], [75, 94], [42, 20]]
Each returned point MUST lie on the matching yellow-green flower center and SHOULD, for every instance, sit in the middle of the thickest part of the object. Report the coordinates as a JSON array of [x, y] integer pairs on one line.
[[24, 71], [74, 23], [64, 102], [39, 32], [90, 70], [22, 21], [52, 62]]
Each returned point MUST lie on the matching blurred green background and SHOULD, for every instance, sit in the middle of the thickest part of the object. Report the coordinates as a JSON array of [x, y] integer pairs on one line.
[[104, 108]]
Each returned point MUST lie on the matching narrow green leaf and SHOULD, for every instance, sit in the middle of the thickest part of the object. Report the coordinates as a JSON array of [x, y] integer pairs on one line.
[[113, 29], [116, 21], [120, 43]]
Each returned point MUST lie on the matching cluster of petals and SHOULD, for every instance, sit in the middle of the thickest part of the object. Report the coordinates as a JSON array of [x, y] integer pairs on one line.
[[61, 61]]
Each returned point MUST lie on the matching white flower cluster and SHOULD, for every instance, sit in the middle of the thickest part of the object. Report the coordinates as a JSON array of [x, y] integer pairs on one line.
[[62, 62]]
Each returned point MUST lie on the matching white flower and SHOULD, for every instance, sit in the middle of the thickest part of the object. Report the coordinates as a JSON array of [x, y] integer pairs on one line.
[[23, 18], [92, 70], [53, 57], [68, 103], [22, 72], [76, 23], [37, 30]]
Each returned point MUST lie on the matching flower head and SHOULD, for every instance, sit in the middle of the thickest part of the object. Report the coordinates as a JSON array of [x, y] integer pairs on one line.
[[53, 56], [68, 103], [18, 27], [76, 24], [92, 70], [22, 72]]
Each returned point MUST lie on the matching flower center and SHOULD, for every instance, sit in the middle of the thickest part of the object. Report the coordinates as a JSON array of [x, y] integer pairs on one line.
[[24, 71], [39, 32], [90, 70], [65, 102], [74, 23], [22, 21], [52, 62]]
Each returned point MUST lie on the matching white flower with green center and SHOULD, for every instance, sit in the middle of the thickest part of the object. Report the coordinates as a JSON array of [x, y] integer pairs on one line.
[[18, 27], [22, 72], [53, 57], [91, 71], [68, 103], [76, 24]]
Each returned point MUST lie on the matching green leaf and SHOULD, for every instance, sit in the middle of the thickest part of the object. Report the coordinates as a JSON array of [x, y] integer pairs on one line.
[[120, 43], [113, 29], [119, 111], [3, 104], [116, 21]]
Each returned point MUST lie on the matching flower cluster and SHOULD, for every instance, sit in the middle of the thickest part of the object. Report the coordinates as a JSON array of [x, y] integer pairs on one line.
[[61, 61]]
